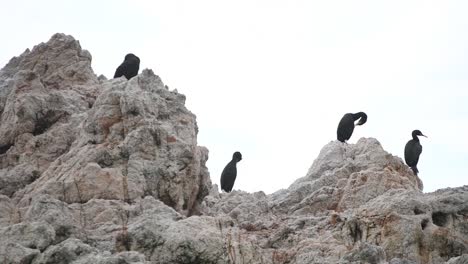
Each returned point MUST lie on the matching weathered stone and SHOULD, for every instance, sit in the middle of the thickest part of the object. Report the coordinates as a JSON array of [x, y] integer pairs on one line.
[[8, 213], [346, 176], [365, 253], [41, 91], [109, 172], [67, 134], [129, 257], [33, 235], [13, 253], [459, 260], [357, 204], [66, 252]]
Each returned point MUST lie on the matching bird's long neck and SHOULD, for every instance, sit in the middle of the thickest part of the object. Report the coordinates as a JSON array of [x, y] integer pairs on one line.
[[415, 138], [358, 115]]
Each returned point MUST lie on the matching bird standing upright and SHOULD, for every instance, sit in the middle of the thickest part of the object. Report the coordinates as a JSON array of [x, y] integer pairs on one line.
[[228, 176], [412, 151], [346, 125]]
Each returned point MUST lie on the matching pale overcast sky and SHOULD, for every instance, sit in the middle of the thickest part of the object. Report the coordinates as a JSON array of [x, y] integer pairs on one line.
[[273, 78]]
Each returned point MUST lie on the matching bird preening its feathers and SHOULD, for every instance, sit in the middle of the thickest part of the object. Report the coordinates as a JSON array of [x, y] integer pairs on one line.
[[129, 67], [228, 176], [412, 151], [346, 125]]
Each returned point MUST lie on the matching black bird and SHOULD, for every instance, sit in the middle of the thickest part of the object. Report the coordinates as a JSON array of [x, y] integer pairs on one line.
[[228, 176], [346, 125], [412, 151], [129, 68]]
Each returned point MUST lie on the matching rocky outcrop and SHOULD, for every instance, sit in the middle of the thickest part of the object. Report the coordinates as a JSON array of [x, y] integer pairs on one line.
[[357, 204], [109, 171], [67, 134]]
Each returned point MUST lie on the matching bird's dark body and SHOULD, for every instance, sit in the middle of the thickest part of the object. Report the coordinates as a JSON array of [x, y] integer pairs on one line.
[[345, 128], [346, 125], [228, 177], [229, 174], [412, 151], [129, 68]]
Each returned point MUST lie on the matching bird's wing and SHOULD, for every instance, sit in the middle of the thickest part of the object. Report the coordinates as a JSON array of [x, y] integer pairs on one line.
[[419, 149], [229, 170], [407, 152], [412, 152], [119, 72], [345, 128], [137, 67], [228, 176]]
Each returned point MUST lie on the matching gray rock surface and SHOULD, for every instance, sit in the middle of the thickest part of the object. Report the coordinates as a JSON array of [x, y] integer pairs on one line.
[[109, 171], [66, 134]]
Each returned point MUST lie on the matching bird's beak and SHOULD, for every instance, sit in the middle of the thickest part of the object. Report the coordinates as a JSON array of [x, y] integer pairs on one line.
[[424, 136]]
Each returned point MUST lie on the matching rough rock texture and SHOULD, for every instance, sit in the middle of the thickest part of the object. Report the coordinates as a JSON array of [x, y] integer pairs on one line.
[[357, 204], [109, 171], [66, 134]]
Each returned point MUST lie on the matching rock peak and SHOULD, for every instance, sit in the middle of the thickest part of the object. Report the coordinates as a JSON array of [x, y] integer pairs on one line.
[[59, 59], [75, 138], [356, 204], [349, 175]]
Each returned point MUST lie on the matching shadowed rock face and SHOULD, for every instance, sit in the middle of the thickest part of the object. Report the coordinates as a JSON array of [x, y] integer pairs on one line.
[[108, 171]]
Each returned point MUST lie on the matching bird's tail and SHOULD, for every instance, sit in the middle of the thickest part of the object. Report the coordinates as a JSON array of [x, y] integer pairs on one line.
[[415, 170]]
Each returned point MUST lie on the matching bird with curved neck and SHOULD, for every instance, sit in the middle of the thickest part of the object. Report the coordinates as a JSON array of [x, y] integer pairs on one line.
[[412, 151], [229, 174], [346, 125]]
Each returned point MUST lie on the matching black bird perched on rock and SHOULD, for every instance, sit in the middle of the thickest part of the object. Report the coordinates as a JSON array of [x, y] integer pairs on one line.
[[228, 176], [412, 151], [129, 68], [346, 125]]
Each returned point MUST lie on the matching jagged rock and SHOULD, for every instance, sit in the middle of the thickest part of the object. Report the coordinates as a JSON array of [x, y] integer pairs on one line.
[[459, 260], [365, 253], [8, 211], [190, 240], [346, 176], [76, 252], [34, 235], [67, 134], [66, 252], [357, 204], [13, 253], [109, 171]]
